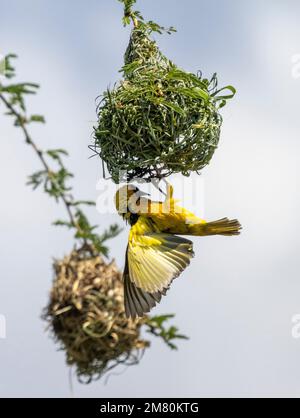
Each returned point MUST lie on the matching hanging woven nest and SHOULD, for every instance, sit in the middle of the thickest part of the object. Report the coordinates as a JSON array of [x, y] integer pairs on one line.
[[159, 119], [86, 316]]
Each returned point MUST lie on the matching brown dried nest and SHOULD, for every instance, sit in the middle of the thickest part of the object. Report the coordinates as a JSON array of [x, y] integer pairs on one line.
[[86, 316]]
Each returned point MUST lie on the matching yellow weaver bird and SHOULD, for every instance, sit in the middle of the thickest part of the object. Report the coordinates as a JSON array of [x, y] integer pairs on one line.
[[155, 254]]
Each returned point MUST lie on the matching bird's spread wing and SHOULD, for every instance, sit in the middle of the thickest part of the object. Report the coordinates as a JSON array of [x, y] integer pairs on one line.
[[137, 301], [153, 261]]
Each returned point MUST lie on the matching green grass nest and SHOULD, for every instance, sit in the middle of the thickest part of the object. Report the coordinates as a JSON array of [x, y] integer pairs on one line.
[[159, 119]]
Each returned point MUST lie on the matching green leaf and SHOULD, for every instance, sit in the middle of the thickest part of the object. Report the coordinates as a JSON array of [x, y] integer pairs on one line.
[[179, 75], [37, 118], [21, 88], [60, 222], [157, 327], [159, 320], [83, 202], [98, 244], [227, 96], [55, 153], [194, 93], [37, 178], [174, 107], [129, 68], [83, 222], [111, 232], [8, 70]]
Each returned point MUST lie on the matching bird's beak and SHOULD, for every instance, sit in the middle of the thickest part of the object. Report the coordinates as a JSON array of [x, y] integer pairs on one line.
[[140, 193]]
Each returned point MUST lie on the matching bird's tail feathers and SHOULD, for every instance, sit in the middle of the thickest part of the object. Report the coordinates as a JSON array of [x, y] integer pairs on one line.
[[222, 226]]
